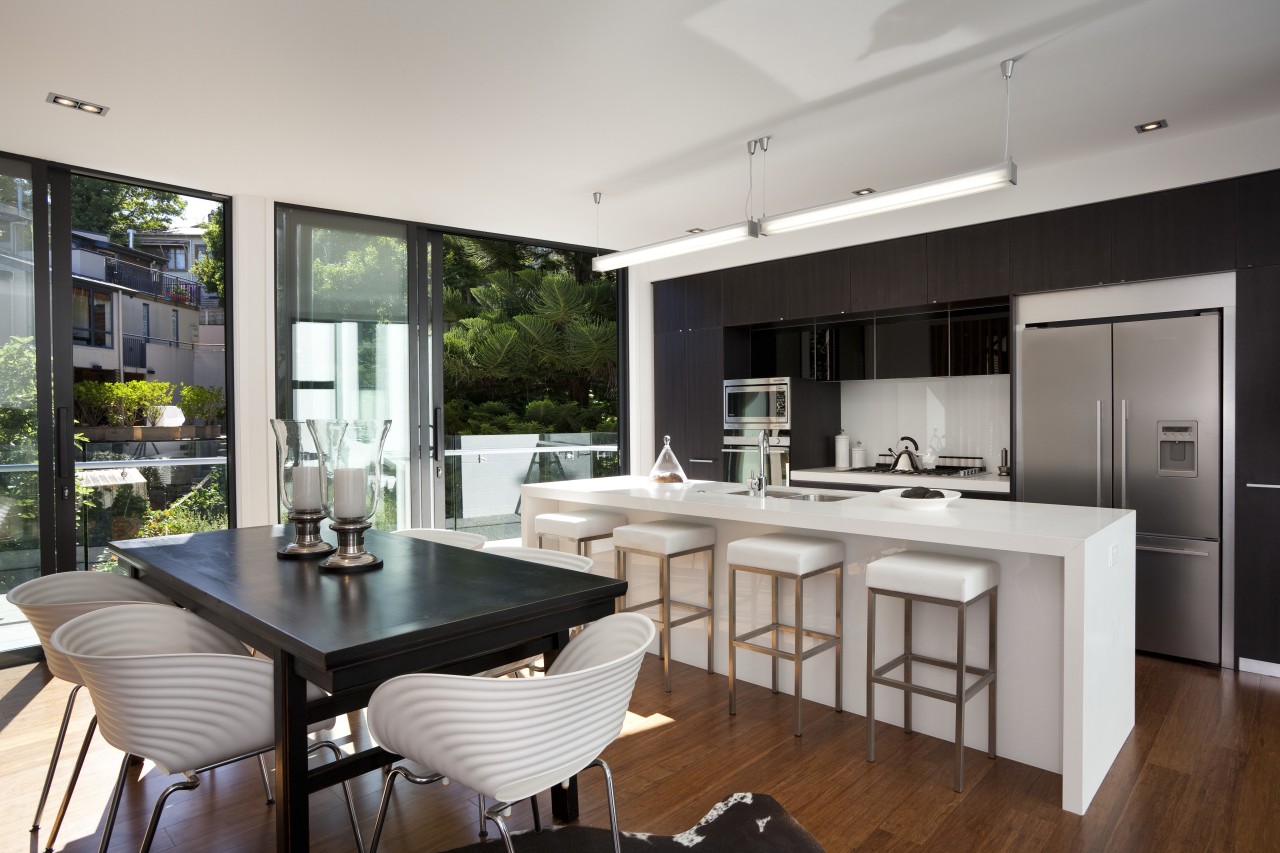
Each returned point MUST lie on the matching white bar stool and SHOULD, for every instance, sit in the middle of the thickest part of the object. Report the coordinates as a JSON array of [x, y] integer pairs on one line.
[[948, 580], [664, 541], [581, 526], [786, 555]]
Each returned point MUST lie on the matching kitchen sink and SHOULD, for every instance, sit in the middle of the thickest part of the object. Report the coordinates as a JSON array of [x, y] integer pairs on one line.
[[786, 495], [816, 498]]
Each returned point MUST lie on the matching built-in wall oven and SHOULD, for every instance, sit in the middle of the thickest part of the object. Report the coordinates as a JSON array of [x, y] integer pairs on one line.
[[750, 406]]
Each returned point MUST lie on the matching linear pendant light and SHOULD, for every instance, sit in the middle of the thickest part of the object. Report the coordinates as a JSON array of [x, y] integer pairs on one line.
[[990, 178], [678, 246]]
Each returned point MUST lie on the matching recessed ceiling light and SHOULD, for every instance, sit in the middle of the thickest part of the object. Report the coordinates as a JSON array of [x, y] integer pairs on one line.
[[76, 104], [1147, 127], [695, 230], [864, 191]]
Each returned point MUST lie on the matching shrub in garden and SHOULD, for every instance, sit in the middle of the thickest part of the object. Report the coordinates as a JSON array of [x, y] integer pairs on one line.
[[207, 405]]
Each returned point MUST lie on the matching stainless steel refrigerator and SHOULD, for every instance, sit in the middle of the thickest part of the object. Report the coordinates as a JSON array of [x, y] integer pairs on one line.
[[1128, 414]]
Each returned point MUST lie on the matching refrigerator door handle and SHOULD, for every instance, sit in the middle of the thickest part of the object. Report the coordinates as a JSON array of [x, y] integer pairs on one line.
[[1186, 552], [1124, 454], [1097, 444]]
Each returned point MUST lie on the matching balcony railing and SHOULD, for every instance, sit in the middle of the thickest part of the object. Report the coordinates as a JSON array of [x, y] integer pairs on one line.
[[143, 279]]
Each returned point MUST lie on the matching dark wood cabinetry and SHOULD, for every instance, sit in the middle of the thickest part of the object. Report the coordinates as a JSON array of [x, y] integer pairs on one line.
[[702, 302], [969, 263], [1257, 464], [668, 306], [1258, 220], [755, 294], [1176, 232], [817, 285], [1060, 249], [889, 274], [911, 346], [688, 378], [979, 341]]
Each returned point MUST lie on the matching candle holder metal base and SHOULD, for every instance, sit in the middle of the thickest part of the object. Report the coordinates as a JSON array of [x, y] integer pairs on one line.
[[306, 543], [351, 555]]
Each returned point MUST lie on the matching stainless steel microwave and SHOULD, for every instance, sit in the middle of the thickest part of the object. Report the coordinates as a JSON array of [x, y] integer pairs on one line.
[[757, 403]]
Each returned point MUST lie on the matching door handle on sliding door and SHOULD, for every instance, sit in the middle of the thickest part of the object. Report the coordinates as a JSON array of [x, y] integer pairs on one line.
[[437, 434]]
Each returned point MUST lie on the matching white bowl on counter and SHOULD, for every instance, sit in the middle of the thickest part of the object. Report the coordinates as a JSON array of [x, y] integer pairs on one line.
[[895, 497]]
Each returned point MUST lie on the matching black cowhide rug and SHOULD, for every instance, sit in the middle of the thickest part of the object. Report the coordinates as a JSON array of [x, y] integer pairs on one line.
[[741, 823]]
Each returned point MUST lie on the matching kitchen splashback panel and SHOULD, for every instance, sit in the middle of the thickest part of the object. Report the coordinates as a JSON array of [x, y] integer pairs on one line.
[[969, 415]]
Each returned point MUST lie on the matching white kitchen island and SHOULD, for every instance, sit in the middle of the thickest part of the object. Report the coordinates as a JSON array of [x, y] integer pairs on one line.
[[1066, 608]]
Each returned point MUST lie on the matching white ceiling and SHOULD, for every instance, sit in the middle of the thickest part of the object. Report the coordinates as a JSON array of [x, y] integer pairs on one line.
[[505, 115]]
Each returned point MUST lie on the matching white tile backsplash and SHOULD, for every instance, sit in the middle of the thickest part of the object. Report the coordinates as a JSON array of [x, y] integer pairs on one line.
[[963, 415]]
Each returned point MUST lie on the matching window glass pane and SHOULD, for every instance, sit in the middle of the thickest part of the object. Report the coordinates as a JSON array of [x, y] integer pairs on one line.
[[19, 453], [343, 321], [530, 373]]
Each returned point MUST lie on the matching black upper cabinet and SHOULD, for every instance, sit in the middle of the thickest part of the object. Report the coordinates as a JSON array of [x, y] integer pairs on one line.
[[889, 274], [702, 304], [1258, 220], [969, 263], [980, 341], [754, 294], [911, 346], [1060, 249], [1176, 232], [668, 306], [818, 285], [1257, 385]]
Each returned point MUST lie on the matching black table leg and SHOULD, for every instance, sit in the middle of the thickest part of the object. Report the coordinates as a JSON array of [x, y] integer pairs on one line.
[[292, 818], [564, 801]]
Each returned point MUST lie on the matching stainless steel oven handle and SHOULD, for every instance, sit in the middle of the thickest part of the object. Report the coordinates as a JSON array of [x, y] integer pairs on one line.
[[705, 461], [1183, 551], [1263, 485]]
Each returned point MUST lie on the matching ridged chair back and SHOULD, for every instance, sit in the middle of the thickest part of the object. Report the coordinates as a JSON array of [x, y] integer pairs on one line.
[[47, 602], [558, 559], [456, 538], [508, 739], [169, 686]]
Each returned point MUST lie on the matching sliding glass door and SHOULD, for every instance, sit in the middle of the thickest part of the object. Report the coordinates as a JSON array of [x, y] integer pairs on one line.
[[347, 342]]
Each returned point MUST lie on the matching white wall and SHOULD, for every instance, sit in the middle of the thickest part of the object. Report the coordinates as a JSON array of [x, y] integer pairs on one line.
[[1149, 165], [962, 415]]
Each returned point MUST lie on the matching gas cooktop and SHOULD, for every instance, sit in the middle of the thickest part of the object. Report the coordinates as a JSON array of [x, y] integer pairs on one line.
[[939, 471]]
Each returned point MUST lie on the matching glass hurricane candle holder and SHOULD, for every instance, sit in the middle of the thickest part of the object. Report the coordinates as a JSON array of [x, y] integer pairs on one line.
[[350, 486], [298, 485]]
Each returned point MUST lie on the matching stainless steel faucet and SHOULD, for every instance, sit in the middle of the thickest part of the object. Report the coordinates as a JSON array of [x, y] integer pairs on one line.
[[758, 483]]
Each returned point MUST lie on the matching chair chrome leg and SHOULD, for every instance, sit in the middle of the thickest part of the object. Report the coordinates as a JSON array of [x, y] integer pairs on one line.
[[114, 805], [266, 779], [53, 759], [496, 817], [537, 813], [484, 826], [613, 809], [71, 783], [190, 784], [386, 798], [346, 789]]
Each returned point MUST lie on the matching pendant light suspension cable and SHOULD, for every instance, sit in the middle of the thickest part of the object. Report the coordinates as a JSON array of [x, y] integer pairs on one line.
[[596, 196], [1006, 68], [751, 154]]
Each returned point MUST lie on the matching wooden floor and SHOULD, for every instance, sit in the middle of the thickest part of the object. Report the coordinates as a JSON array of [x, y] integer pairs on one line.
[[1200, 772]]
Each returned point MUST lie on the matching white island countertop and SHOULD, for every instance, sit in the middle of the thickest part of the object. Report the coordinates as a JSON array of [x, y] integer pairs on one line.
[[987, 483], [1024, 527], [1066, 605]]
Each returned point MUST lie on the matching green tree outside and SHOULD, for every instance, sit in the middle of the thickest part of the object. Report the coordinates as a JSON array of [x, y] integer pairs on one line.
[[112, 208], [210, 270]]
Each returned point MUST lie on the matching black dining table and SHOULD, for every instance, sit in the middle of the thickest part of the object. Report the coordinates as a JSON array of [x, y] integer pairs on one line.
[[429, 608]]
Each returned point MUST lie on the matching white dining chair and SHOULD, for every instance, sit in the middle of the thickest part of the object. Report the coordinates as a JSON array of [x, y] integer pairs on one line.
[[176, 690], [558, 559], [456, 538], [47, 602], [508, 739]]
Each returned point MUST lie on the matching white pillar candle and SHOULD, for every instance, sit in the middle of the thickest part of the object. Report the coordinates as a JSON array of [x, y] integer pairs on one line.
[[306, 488], [348, 493]]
